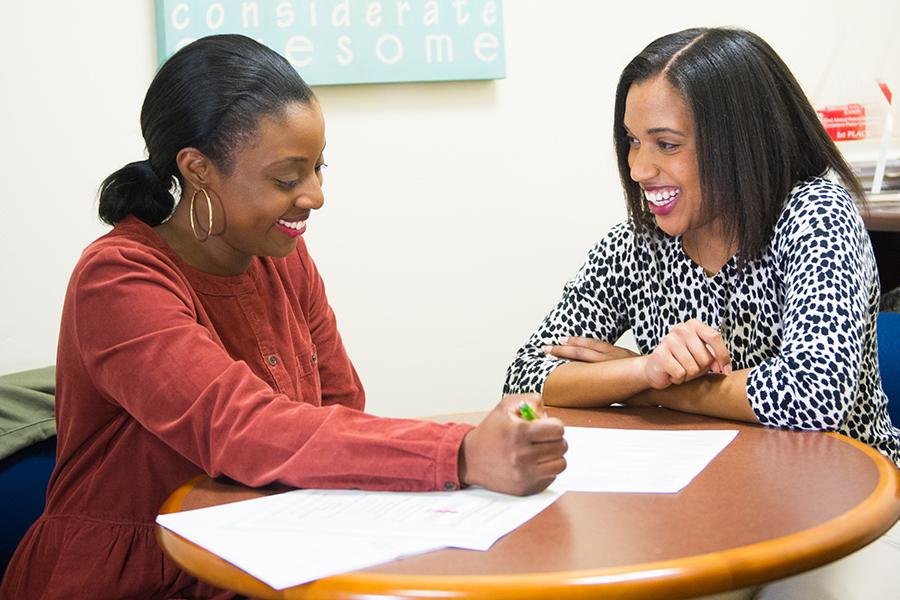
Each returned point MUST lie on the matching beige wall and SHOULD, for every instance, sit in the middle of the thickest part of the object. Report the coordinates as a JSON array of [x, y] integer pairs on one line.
[[455, 211]]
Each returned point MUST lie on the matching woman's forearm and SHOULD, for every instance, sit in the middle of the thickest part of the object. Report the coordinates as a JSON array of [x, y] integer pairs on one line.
[[584, 384], [723, 396]]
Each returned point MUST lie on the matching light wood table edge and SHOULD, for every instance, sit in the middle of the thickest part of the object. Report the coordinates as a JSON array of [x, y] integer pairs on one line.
[[679, 578]]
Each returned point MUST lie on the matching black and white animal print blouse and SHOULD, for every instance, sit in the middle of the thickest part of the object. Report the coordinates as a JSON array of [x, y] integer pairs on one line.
[[802, 316]]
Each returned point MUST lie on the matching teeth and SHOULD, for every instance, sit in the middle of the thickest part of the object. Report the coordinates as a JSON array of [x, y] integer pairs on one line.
[[661, 198], [291, 224]]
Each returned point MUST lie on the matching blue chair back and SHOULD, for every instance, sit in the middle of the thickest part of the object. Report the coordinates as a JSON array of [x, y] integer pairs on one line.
[[889, 360], [23, 477]]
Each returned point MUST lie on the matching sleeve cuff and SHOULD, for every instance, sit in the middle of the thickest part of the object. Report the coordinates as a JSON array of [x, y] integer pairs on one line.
[[446, 472]]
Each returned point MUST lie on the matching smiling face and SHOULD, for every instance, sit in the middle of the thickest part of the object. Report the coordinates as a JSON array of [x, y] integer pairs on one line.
[[261, 206], [662, 155]]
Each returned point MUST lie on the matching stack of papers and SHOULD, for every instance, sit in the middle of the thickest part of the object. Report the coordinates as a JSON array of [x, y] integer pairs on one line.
[[295, 537]]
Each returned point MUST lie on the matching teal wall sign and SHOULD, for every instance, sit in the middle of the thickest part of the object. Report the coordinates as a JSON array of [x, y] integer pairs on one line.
[[352, 41]]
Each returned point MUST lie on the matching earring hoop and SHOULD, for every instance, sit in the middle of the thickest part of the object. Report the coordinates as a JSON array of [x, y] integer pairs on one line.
[[209, 212]]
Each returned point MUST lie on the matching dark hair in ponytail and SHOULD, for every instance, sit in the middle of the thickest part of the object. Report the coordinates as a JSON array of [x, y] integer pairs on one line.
[[137, 190], [209, 95]]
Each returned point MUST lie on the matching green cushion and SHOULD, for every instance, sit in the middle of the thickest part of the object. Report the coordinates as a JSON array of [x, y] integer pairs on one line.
[[27, 409]]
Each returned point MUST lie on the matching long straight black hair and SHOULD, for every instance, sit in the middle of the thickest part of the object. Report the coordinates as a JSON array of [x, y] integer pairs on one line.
[[756, 133], [209, 95]]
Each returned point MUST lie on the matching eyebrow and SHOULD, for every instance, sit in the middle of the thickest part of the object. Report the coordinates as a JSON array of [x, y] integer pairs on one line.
[[289, 159], [656, 130], [294, 159]]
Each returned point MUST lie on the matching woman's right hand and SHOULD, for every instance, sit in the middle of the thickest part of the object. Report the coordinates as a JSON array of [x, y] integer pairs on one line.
[[508, 454], [690, 350]]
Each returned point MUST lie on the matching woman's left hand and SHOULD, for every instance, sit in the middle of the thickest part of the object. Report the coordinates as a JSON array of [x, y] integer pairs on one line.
[[588, 350], [690, 350]]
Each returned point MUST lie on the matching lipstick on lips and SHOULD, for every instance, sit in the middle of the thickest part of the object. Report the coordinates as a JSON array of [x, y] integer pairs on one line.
[[661, 200], [293, 227]]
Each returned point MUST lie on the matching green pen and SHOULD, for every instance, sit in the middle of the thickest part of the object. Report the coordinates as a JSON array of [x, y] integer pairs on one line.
[[526, 412]]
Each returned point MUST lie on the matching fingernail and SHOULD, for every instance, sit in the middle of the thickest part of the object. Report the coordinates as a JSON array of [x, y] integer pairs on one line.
[[563, 341], [547, 349]]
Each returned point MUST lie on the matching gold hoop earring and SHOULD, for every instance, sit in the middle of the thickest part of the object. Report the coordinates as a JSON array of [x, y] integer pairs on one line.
[[209, 211]]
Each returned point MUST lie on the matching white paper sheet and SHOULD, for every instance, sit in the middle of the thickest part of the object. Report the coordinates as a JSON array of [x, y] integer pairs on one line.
[[638, 460], [291, 538], [474, 518]]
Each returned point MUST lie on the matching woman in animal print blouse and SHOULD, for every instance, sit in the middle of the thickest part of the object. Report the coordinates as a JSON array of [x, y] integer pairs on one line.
[[744, 273]]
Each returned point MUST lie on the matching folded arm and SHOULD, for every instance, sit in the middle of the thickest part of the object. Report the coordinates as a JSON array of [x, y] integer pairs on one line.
[[685, 372]]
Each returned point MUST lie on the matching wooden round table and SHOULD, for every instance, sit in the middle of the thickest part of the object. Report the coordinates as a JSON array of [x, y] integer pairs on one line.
[[772, 504]]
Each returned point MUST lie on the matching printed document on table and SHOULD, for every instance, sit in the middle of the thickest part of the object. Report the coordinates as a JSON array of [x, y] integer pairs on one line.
[[473, 518], [637, 460], [295, 537]]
